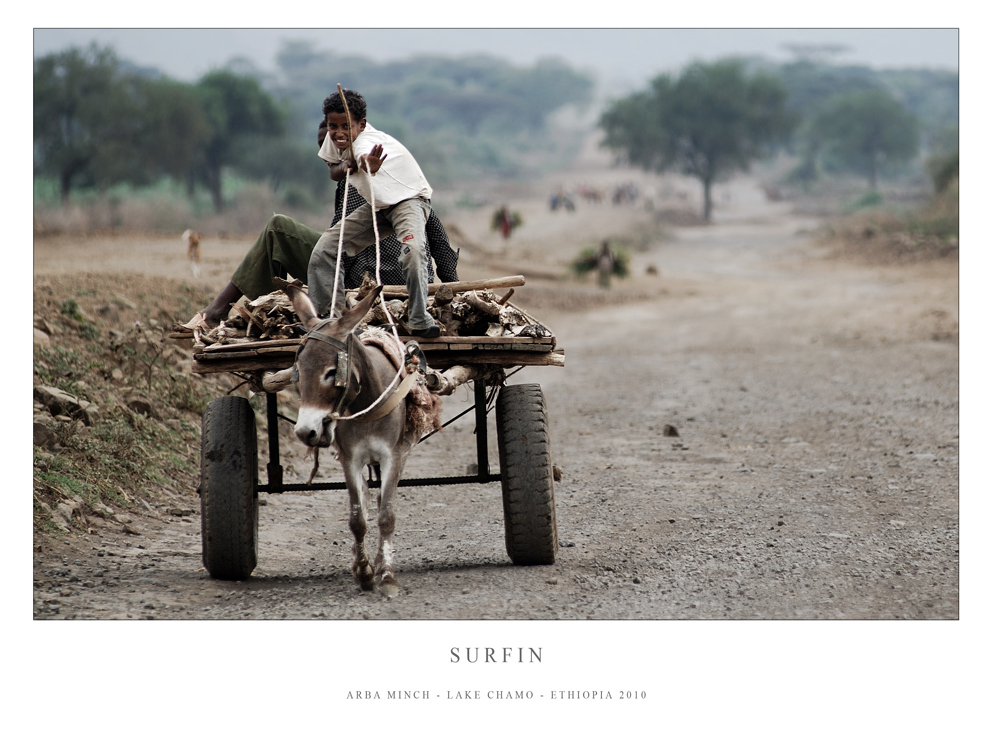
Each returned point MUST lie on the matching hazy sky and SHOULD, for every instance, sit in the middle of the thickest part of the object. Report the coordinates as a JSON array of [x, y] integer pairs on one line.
[[622, 56]]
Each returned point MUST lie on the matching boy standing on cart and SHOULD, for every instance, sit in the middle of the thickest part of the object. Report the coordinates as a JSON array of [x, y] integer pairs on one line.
[[384, 172]]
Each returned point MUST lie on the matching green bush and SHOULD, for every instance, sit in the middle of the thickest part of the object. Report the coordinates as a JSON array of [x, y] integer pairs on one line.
[[870, 199], [587, 261]]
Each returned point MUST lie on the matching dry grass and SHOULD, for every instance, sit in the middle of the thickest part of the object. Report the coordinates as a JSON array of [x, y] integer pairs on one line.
[[884, 234], [107, 345]]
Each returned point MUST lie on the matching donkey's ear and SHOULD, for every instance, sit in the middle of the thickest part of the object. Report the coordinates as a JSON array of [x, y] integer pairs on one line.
[[301, 303], [351, 318]]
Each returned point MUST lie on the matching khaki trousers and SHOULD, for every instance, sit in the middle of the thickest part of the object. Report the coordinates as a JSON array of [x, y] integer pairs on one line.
[[407, 220]]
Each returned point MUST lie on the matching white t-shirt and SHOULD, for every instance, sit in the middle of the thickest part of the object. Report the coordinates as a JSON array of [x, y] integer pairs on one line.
[[399, 177]]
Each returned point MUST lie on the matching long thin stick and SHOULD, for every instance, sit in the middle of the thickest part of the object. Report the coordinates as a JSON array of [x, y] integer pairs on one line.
[[461, 286], [343, 213], [374, 217], [347, 111]]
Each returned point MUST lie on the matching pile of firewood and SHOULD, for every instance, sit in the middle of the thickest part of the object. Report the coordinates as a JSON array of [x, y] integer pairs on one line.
[[462, 312], [461, 309], [266, 318]]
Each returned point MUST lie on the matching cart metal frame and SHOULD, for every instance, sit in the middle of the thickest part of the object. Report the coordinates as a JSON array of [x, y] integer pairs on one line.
[[260, 356], [275, 484]]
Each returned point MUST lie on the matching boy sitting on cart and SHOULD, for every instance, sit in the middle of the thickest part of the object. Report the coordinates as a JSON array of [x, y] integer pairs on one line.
[[396, 194], [285, 246]]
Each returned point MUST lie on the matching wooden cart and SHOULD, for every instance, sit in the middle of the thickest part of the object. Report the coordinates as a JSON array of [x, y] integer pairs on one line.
[[229, 484]]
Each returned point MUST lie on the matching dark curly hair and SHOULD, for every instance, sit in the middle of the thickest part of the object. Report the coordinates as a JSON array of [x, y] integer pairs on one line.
[[355, 102]]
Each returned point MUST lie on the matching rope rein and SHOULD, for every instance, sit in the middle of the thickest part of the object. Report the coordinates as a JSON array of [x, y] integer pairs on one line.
[[378, 265], [374, 222]]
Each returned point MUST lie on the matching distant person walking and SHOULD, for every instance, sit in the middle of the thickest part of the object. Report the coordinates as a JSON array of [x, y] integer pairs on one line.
[[605, 264], [504, 221]]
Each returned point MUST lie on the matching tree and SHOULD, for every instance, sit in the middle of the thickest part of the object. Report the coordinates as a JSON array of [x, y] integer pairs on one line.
[[237, 109], [866, 130], [81, 114], [470, 96], [285, 164], [943, 163], [96, 124], [549, 85], [173, 129], [709, 123]]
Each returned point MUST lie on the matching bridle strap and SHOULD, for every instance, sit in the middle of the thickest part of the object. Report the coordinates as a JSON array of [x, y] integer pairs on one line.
[[314, 333], [378, 409], [345, 352], [392, 402]]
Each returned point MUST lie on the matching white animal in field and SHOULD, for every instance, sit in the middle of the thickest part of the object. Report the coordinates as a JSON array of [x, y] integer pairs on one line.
[[192, 239]]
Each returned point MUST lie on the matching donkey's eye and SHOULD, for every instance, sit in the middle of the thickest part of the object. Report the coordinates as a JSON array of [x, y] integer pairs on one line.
[[329, 374]]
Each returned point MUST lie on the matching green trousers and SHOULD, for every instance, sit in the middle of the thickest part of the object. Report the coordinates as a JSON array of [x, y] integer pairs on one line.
[[283, 247]]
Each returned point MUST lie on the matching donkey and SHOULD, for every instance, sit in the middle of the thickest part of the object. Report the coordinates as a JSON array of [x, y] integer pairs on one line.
[[339, 376]]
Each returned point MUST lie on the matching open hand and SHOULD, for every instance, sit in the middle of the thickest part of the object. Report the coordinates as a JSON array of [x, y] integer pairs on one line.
[[372, 161]]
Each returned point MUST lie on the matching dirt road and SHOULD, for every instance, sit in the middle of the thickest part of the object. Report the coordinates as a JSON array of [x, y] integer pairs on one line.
[[758, 432]]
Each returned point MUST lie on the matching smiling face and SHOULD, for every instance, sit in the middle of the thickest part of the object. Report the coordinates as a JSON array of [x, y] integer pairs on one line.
[[339, 129]]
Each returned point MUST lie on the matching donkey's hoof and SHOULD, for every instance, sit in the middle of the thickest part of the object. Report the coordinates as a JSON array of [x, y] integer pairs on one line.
[[388, 587], [364, 574]]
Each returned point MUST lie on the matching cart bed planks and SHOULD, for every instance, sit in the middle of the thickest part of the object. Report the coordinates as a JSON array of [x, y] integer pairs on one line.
[[441, 353]]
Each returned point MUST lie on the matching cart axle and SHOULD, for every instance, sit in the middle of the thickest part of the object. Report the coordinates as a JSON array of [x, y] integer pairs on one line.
[[375, 484]]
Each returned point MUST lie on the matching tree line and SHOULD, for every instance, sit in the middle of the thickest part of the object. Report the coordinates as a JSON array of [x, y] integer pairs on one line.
[[99, 121], [714, 119]]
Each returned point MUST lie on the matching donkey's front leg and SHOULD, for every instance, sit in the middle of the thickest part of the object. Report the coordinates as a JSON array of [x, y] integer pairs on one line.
[[391, 470], [361, 567]]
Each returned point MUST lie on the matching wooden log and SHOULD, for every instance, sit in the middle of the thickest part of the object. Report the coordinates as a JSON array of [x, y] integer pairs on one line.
[[531, 319], [476, 302], [252, 345], [444, 383], [249, 317], [471, 341], [399, 291], [246, 364], [443, 296], [277, 381], [445, 360], [289, 351]]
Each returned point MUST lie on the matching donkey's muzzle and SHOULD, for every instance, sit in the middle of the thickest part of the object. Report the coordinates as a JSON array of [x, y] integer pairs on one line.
[[314, 428], [313, 438]]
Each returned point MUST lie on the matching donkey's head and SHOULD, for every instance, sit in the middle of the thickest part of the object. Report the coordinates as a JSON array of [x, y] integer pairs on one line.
[[329, 374]]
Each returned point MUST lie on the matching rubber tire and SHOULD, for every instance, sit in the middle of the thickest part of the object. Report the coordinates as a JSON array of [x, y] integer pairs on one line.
[[527, 475], [229, 489]]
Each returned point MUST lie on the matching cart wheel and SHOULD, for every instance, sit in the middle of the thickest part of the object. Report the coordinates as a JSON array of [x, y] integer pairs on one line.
[[229, 489], [527, 475]]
